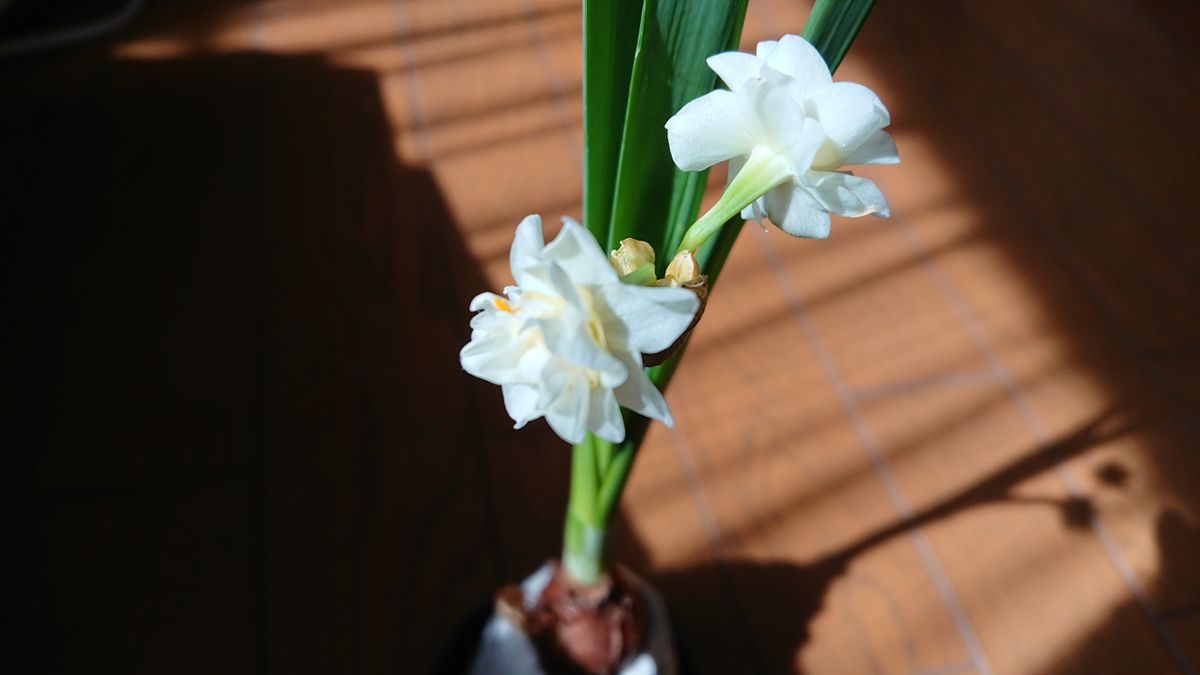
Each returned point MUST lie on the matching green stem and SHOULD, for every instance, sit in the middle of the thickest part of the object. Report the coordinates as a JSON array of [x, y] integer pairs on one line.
[[599, 471], [604, 454], [763, 170], [612, 483], [583, 550], [583, 535]]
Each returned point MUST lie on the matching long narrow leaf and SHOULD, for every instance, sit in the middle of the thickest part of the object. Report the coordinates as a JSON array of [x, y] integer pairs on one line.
[[610, 33], [653, 198], [832, 26]]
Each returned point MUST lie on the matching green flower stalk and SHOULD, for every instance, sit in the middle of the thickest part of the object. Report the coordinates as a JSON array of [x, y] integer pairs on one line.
[[763, 170], [769, 174], [571, 339]]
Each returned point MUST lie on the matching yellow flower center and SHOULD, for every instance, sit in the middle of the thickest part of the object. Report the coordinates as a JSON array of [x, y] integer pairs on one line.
[[597, 332]]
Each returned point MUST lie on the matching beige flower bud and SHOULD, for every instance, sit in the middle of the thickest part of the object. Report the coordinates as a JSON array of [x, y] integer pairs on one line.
[[684, 269], [631, 255]]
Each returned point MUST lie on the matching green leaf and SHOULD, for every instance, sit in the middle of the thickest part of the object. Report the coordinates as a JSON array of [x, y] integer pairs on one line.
[[653, 200], [610, 33], [833, 24]]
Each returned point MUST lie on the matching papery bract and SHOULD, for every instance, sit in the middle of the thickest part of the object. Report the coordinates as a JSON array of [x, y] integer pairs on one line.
[[566, 342], [785, 119]]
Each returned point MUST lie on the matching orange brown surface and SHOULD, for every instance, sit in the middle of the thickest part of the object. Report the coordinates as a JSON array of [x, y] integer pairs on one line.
[[241, 237]]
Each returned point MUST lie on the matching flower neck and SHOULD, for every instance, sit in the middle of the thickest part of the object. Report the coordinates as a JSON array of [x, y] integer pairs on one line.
[[764, 169]]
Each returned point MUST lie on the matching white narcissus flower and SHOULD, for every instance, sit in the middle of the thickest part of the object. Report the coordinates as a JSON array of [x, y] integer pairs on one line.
[[787, 128], [566, 342]]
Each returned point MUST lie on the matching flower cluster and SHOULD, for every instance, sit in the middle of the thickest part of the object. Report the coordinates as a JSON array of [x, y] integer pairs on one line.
[[566, 342], [786, 129], [569, 341]]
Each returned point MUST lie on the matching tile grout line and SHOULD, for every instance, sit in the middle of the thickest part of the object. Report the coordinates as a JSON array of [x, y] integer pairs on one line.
[[555, 82], [944, 380], [1024, 407], [417, 121], [683, 455], [869, 444]]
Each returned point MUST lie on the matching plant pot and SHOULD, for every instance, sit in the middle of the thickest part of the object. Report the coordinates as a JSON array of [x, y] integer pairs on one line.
[[505, 649]]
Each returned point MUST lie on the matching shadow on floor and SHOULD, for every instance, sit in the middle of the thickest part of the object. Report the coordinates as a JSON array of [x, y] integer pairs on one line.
[[784, 598], [231, 442]]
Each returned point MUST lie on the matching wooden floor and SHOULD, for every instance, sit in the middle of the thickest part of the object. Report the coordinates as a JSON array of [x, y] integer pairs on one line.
[[239, 240]]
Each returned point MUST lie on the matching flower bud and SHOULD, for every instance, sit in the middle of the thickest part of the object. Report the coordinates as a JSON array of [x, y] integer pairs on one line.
[[632, 255], [684, 269], [683, 272]]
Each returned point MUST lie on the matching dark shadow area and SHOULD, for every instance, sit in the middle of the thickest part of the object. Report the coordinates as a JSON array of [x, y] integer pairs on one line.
[[237, 437], [1172, 534]]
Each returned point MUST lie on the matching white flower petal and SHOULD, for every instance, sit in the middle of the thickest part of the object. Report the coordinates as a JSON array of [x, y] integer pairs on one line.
[[576, 251], [494, 356], [604, 416], [847, 195], [533, 362], [708, 130], [526, 251], [572, 341], [653, 317], [879, 148], [754, 212], [797, 213], [551, 279], [482, 301], [792, 55], [850, 114], [565, 396], [640, 395], [786, 129], [734, 68], [520, 400]]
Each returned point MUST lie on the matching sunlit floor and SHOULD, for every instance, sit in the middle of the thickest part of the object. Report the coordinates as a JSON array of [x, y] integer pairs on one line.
[[963, 439]]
